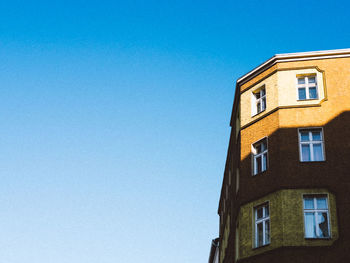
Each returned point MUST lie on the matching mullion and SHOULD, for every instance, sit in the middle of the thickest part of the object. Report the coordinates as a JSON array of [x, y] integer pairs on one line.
[[316, 217], [307, 87], [311, 146]]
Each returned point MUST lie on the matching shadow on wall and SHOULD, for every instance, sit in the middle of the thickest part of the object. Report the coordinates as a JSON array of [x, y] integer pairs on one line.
[[285, 171]]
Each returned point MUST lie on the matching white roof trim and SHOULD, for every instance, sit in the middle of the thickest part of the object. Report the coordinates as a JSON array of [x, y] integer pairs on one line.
[[300, 56]]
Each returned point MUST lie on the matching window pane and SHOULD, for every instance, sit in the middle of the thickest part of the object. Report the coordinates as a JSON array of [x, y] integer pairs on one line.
[[305, 152], [318, 154], [258, 107], [267, 231], [258, 148], [264, 162], [322, 203], [310, 228], [313, 93], [301, 80], [311, 79], [263, 103], [322, 221], [302, 93], [309, 203], [257, 95], [304, 136], [267, 212], [262, 92], [316, 136], [263, 145], [258, 164], [259, 212], [259, 234]]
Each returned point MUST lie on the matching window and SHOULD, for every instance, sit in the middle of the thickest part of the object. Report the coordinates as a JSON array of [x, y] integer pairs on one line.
[[237, 242], [307, 87], [262, 225], [237, 180], [311, 145], [229, 177], [259, 150], [238, 121], [259, 101], [316, 216]]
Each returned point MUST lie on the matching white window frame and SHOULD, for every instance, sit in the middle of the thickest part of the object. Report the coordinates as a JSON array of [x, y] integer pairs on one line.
[[262, 220], [256, 101], [255, 156], [311, 143], [315, 210], [307, 85]]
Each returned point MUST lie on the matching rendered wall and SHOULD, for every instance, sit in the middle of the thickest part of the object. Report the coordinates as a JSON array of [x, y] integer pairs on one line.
[[286, 221]]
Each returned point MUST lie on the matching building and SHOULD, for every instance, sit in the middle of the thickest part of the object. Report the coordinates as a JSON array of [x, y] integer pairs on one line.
[[214, 251], [285, 195]]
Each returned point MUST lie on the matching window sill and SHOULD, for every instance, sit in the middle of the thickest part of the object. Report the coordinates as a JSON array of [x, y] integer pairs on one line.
[[323, 161], [308, 99], [261, 246], [261, 173], [256, 114], [318, 238]]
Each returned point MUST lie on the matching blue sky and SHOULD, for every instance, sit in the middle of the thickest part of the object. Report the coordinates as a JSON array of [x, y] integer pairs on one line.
[[115, 119]]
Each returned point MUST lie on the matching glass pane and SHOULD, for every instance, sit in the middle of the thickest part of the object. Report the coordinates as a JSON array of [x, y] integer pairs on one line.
[[322, 203], [304, 136], [305, 152], [258, 164], [301, 80], [322, 221], [264, 162], [316, 136], [263, 103], [308, 203], [263, 145], [302, 93], [258, 107], [311, 79], [267, 212], [262, 92], [259, 212], [258, 148], [257, 95], [318, 154], [310, 228], [313, 93], [267, 231], [259, 234]]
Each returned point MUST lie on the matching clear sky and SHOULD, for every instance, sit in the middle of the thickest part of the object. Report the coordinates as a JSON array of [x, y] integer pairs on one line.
[[115, 119]]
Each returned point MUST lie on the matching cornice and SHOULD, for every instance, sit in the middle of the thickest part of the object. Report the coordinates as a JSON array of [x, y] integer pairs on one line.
[[291, 57]]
